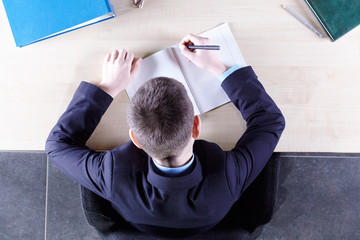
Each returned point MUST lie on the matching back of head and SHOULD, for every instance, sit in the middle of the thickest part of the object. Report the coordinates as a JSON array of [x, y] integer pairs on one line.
[[161, 117]]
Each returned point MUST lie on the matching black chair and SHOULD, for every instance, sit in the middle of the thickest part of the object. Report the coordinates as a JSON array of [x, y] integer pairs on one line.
[[245, 220]]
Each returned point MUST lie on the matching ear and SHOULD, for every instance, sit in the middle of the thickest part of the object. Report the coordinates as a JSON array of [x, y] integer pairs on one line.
[[133, 139], [196, 127]]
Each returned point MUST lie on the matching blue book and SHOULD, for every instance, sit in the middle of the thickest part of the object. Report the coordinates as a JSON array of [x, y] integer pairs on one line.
[[35, 20]]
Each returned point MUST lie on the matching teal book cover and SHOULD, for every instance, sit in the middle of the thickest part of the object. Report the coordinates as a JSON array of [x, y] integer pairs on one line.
[[336, 16], [35, 20]]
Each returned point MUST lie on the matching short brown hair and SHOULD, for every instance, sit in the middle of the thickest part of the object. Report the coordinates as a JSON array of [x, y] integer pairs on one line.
[[161, 117]]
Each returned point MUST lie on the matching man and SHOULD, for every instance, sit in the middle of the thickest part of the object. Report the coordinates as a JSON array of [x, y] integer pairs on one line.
[[165, 181]]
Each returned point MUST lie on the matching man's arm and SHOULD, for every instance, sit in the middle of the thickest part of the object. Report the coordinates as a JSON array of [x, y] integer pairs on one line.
[[265, 122], [66, 142]]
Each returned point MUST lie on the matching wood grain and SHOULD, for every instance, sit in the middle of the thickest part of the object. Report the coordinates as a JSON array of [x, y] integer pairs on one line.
[[315, 82]]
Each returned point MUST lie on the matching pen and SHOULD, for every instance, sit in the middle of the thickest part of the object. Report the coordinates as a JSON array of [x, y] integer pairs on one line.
[[204, 47], [302, 21]]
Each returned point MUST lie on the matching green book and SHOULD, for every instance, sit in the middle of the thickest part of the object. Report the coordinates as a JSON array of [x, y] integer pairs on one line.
[[336, 16]]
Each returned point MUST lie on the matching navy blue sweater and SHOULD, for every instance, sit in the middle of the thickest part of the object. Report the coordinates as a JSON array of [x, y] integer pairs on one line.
[[145, 197]]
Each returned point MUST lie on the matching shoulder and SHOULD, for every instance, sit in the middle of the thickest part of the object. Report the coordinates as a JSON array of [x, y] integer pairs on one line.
[[128, 156], [203, 145], [209, 153]]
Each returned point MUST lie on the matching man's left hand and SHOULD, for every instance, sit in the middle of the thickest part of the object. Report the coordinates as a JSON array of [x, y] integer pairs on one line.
[[119, 70]]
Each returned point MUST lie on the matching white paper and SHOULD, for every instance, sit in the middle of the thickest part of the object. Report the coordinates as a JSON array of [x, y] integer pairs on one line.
[[204, 89]]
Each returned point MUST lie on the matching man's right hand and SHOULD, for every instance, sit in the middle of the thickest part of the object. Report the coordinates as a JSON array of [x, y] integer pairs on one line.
[[206, 59]]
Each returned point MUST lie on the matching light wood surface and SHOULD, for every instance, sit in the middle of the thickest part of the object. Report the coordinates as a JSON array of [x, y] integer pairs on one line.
[[315, 82]]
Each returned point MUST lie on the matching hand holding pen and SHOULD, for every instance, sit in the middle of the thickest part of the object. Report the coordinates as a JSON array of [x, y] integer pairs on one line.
[[202, 58]]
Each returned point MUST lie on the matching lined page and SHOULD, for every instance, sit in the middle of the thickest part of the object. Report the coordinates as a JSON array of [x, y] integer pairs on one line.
[[206, 87], [160, 64]]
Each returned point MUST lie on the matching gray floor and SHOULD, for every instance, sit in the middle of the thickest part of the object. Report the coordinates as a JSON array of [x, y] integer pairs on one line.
[[319, 198]]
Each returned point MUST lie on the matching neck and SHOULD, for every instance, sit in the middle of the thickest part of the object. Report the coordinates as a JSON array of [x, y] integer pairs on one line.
[[180, 160]]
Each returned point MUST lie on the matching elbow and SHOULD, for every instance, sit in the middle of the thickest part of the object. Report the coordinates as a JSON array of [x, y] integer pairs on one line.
[[51, 144], [53, 150], [280, 125], [48, 147], [282, 122], [277, 124], [54, 142]]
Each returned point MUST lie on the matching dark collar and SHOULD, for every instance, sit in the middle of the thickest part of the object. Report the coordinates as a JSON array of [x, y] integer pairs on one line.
[[174, 183]]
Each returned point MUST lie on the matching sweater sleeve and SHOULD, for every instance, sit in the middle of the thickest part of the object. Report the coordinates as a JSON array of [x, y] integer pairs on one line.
[[265, 124], [66, 147]]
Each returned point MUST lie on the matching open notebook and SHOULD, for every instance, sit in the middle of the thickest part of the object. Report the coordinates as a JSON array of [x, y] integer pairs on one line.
[[203, 88]]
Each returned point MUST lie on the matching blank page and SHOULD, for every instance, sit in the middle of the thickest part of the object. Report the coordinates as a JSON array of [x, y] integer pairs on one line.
[[205, 86]]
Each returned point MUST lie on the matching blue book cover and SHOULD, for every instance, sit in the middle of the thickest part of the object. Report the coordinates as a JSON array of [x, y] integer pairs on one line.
[[35, 20]]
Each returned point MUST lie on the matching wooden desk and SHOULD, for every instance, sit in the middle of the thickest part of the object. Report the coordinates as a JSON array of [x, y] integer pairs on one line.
[[316, 83]]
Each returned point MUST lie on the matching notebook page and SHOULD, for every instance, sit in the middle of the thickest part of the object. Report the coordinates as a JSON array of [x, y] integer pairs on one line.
[[160, 64], [206, 87]]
